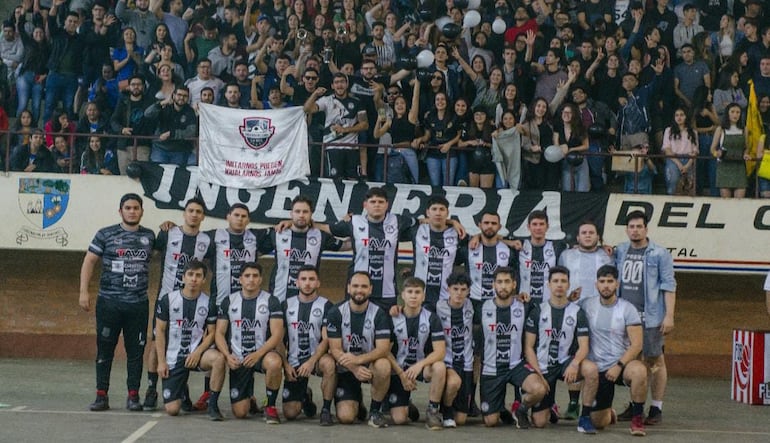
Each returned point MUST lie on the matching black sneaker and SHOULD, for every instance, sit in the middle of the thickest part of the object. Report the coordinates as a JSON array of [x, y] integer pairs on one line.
[[213, 412], [308, 407], [102, 403], [654, 416], [506, 417], [187, 405], [362, 413], [521, 417], [254, 408], [474, 411], [377, 420], [326, 417], [626, 415], [134, 403], [413, 412], [150, 400]]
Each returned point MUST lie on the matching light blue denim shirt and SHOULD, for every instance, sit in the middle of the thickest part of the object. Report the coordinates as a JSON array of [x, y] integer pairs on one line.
[[658, 278]]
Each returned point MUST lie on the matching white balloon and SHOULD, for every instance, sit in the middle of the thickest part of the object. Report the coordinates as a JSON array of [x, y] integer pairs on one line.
[[498, 26], [471, 19], [553, 154], [474, 4], [441, 21], [425, 58]]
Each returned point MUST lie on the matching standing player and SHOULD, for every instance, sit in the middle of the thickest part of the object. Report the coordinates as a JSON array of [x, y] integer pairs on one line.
[[249, 329], [556, 346], [616, 341], [435, 250], [456, 316], [178, 246], [125, 251], [647, 282], [536, 257], [300, 245], [502, 320], [306, 349], [418, 353], [359, 341], [185, 332]]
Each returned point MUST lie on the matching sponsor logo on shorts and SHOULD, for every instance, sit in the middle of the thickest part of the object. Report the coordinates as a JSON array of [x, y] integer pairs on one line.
[[234, 393], [167, 394], [484, 406]]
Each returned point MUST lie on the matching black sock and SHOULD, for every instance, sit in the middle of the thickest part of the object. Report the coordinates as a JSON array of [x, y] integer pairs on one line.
[[574, 396], [517, 394], [375, 405], [586, 412], [152, 380], [449, 412], [433, 404], [207, 384], [327, 406], [272, 394], [637, 408], [213, 398]]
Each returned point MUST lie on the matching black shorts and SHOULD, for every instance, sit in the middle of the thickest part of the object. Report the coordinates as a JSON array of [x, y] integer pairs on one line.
[[242, 382], [480, 162], [296, 390], [348, 387], [464, 394], [606, 391], [492, 388], [342, 163], [554, 374], [176, 382], [397, 395]]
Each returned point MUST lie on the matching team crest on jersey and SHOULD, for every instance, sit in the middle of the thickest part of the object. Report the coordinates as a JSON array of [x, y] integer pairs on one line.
[[43, 203], [368, 324], [423, 328], [262, 309], [548, 252], [234, 393], [316, 312], [468, 314], [351, 106], [312, 241], [144, 240], [389, 229], [517, 312], [202, 310], [484, 406], [393, 398], [450, 240], [285, 393], [167, 394], [339, 393], [502, 256], [570, 321], [201, 247], [257, 131]]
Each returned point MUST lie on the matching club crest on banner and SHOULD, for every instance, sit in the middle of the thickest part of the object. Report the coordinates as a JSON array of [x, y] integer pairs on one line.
[[43, 203], [257, 131]]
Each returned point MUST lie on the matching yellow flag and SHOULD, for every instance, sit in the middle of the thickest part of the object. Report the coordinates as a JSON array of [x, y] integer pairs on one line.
[[754, 127]]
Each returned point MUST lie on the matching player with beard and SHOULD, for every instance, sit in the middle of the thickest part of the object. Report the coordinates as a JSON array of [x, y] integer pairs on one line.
[[536, 256], [185, 335], [125, 251], [556, 346], [359, 340], [306, 349], [502, 320], [249, 329], [616, 340]]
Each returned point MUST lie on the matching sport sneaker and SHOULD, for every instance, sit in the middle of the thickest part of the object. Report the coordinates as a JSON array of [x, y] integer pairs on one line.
[[326, 417], [308, 407], [102, 403], [413, 413], [521, 417], [626, 415], [654, 416], [572, 411], [637, 426], [150, 400], [449, 423], [433, 419], [214, 414], [203, 402], [585, 426], [377, 420], [271, 416], [254, 408], [506, 417], [362, 413], [555, 415], [134, 403], [187, 405], [474, 410]]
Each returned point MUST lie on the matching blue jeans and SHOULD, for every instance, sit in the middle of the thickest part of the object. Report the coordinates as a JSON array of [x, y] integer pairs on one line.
[[181, 158], [437, 170], [673, 174], [59, 87], [575, 178], [462, 167], [706, 169], [27, 88], [410, 158]]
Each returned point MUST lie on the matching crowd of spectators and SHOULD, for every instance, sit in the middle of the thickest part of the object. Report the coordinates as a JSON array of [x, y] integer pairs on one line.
[[492, 93]]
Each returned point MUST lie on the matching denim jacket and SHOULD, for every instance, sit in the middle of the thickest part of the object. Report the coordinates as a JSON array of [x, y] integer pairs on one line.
[[658, 279]]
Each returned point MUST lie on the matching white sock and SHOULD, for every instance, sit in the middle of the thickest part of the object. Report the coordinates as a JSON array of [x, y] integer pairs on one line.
[[657, 403]]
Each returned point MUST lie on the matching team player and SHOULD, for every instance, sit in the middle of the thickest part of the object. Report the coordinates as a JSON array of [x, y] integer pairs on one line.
[[306, 349], [417, 355], [300, 245], [556, 346], [125, 250], [647, 282], [456, 316], [502, 320], [249, 329], [184, 328], [435, 246], [536, 256], [179, 245], [359, 341], [616, 341]]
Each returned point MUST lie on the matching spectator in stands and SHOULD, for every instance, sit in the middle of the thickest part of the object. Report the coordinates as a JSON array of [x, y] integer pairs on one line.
[[729, 147], [232, 96], [204, 79], [687, 28], [127, 58], [100, 33], [97, 159], [728, 91], [680, 145], [197, 48], [570, 135], [140, 19], [34, 69], [64, 67], [706, 122], [33, 156], [22, 129], [689, 74], [60, 122], [92, 122], [177, 26], [163, 85], [105, 91], [223, 56], [11, 49], [63, 154], [160, 55], [128, 119], [176, 124]]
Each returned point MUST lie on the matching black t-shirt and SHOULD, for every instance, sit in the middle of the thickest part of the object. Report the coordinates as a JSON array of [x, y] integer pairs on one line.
[[441, 131]]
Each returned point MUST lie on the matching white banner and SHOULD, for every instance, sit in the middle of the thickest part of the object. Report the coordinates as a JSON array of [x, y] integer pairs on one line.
[[252, 149]]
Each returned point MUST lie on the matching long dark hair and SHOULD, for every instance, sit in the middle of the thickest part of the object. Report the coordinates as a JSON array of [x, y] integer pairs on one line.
[[674, 132], [575, 124], [531, 110], [726, 117]]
